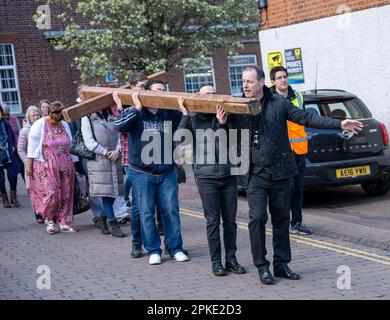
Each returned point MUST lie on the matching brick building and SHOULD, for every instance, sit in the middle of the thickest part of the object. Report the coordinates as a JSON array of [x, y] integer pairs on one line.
[[347, 41], [220, 70], [31, 70]]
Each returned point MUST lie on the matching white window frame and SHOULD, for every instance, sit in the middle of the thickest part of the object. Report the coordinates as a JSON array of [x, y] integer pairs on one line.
[[239, 65], [16, 80], [185, 62]]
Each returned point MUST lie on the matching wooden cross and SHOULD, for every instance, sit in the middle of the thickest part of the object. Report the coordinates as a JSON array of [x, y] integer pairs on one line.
[[99, 98]]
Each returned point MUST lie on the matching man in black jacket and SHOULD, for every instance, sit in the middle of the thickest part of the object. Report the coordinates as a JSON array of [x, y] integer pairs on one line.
[[216, 186], [272, 163]]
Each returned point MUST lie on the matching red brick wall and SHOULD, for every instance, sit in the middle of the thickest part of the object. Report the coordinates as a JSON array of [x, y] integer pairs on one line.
[[287, 12], [221, 69], [42, 71]]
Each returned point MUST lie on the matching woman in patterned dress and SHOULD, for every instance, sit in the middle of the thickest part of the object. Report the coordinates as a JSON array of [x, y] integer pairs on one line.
[[51, 170]]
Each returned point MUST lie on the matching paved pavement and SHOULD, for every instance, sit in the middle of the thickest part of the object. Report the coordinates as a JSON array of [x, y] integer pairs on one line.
[[89, 265]]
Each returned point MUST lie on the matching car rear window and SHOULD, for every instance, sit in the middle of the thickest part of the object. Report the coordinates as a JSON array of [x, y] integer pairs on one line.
[[340, 109]]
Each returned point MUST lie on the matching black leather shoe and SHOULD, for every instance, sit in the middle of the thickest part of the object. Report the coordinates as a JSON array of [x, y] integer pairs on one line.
[[218, 269], [266, 276], [234, 267], [136, 251], [285, 272]]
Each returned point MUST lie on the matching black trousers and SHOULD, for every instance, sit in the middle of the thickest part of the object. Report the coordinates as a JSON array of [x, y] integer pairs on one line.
[[219, 199], [261, 189], [21, 165], [297, 184]]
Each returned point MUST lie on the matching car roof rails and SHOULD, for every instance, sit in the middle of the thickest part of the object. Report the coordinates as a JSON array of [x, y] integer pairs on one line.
[[337, 90]]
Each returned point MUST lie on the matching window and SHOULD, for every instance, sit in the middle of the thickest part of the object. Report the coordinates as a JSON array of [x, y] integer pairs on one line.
[[313, 108], [348, 109], [236, 66], [9, 88], [338, 110], [197, 77], [342, 109]]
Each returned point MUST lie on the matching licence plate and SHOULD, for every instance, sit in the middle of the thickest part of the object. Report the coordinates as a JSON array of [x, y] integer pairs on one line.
[[353, 172]]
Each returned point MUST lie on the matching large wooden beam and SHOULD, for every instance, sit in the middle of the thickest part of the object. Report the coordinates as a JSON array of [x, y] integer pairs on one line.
[[194, 102], [99, 103]]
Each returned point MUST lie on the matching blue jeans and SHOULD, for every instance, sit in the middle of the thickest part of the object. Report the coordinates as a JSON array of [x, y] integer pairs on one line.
[[12, 177], [162, 191], [96, 206], [95, 203], [107, 208], [127, 183], [135, 216]]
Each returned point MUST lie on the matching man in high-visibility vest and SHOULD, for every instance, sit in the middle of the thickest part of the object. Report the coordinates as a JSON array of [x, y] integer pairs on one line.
[[299, 144]]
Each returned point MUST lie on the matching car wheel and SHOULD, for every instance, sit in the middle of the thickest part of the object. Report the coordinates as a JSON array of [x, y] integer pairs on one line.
[[376, 188]]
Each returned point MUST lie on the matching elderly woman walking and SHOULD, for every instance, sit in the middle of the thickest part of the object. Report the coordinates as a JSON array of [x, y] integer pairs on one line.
[[105, 172], [51, 170], [8, 162], [33, 113]]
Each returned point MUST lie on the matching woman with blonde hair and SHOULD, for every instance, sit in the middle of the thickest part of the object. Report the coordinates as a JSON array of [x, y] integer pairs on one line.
[[33, 113]]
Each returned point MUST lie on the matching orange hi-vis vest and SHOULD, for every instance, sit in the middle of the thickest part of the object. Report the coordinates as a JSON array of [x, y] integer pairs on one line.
[[296, 132]]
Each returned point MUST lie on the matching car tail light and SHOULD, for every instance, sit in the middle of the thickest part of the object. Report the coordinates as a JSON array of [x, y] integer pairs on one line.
[[385, 135]]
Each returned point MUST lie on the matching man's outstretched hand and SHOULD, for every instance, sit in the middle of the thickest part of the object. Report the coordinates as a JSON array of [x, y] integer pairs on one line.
[[352, 125]]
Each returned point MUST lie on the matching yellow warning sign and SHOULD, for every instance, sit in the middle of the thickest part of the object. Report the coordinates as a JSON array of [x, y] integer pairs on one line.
[[297, 53], [275, 59]]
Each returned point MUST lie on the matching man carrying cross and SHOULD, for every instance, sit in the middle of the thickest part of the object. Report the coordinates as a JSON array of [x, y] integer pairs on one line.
[[154, 183]]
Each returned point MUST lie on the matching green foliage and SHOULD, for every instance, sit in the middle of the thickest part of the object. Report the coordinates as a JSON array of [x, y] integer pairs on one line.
[[125, 36]]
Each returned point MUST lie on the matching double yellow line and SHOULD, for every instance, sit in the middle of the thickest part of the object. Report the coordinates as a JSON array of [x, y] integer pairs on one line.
[[309, 241]]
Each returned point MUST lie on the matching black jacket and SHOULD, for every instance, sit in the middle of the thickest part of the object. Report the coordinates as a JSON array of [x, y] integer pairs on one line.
[[273, 118], [199, 121]]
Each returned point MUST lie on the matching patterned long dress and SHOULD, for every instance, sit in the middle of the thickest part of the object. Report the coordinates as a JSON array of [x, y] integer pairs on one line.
[[52, 186]]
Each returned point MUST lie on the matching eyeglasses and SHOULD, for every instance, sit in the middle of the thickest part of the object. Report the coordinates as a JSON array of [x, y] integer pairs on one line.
[[6, 114], [281, 77]]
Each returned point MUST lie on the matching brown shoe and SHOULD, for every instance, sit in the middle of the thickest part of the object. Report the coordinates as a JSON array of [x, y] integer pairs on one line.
[[6, 203], [14, 200]]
